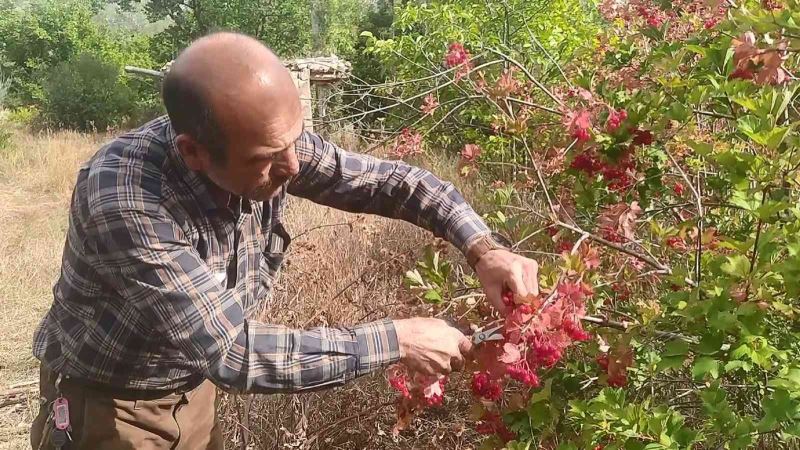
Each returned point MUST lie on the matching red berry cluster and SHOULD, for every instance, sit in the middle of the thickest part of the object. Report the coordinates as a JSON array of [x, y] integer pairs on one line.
[[572, 326], [522, 372], [653, 16], [483, 386], [617, 375], [615, 119], [676, 242], [436, 397], [456, 55], [416, 389], [617, 176], [400, 384], [491, 423]]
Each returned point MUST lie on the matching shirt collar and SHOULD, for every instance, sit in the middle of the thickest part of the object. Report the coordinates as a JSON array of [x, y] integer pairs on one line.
[[199, 184], [195, 182]]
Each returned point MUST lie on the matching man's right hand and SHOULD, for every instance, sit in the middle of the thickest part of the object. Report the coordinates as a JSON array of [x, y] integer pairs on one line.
[[431, 346]]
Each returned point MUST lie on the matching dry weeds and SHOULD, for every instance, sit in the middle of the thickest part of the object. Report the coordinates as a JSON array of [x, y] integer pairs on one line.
[[342, 269]]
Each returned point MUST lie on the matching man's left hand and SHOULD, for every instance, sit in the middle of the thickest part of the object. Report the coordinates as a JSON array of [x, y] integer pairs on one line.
[[499, 270]]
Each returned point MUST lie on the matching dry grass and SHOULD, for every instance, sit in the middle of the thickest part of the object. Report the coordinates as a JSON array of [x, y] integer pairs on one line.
[[342, 269], [36, 174]]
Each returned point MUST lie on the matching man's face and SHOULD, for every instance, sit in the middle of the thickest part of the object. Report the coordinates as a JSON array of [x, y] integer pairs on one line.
[[258, 164], [261, 131]]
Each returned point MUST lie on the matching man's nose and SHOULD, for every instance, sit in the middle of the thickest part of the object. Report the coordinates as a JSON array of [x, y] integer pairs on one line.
[[288, 165]]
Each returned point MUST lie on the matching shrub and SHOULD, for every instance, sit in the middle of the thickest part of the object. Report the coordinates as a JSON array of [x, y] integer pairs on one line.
[[86, 94], [37, 37], [654, 175], [5, 134]]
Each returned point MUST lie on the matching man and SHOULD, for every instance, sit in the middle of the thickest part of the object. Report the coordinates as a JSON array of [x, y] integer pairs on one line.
[[176, 236]]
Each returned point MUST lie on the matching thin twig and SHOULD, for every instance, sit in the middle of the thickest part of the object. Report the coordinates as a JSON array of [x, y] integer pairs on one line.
[[527, 74]]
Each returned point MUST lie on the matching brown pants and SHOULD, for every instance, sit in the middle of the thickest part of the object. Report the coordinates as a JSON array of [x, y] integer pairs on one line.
[[102, 422]]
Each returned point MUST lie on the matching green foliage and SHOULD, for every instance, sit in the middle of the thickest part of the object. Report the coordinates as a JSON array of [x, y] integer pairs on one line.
[[86, 94], [40, 38], [533, 32], [284, 25]]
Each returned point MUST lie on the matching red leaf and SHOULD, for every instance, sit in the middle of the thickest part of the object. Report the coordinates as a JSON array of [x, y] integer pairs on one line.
[[620, 218], [620, 358], [510, 354], [578, 124], [487, 357], [515, 321], [470, 152]]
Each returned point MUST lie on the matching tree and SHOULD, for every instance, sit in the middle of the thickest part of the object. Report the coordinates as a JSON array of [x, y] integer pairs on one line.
[[45, 33], [86, 94], [283, 25]]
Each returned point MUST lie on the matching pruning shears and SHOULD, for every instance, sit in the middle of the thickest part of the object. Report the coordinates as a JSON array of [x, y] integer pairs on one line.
[[489, 334]]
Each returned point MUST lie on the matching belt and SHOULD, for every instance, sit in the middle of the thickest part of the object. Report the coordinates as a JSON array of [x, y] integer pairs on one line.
[[126, 393]]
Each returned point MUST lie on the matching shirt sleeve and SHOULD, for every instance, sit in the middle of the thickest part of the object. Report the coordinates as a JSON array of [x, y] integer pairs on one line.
[[147, 258], [361, 183]]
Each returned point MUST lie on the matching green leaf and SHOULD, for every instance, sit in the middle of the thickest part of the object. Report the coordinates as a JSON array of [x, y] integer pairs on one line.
[[705, 366], [654, 446], [433, 296], [745, 200], [780, 406], [737, 265], [677, 347], [670, 362], [730, 366], [543, 394], [414, 278], [679, 111], [702, 148], [710, 343], [774, 138], [746, 102]]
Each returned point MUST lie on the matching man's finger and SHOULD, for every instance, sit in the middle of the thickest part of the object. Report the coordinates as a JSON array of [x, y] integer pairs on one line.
[[532, 278], [494, 295], [517, 282], [457, 362], [465, 347]]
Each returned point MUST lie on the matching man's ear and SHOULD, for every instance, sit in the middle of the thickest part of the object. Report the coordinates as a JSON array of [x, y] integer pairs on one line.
[[193, 153]]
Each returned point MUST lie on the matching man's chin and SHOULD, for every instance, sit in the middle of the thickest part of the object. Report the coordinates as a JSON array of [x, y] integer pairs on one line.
[[262, 196]]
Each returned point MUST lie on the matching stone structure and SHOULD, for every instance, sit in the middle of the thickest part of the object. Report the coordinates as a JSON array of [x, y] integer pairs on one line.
[[312, 76]]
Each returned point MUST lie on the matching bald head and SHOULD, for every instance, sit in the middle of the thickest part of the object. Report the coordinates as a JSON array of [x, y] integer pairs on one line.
[[229, 86]]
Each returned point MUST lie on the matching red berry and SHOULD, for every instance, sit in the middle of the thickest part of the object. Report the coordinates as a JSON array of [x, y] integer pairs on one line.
[[574, 329], [602, 360], [525, 309], [585, 162], [523, 374], [482, 386], [676, 242], [399, 383], [615, 118]]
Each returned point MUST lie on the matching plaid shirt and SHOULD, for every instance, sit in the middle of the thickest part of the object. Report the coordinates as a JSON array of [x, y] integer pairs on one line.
[[159, 286]]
